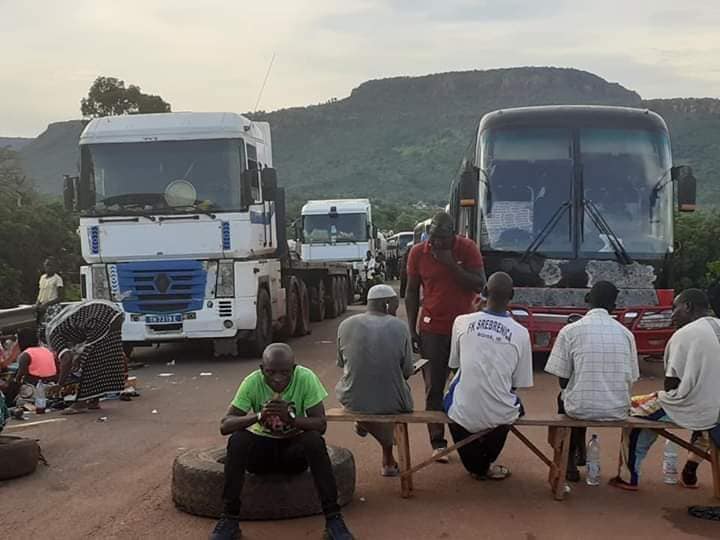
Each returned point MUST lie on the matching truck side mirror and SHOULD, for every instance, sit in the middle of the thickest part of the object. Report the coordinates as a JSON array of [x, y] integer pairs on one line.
[[686, 188], [85, 193], [246, 181], [269, 184], [69, 192]]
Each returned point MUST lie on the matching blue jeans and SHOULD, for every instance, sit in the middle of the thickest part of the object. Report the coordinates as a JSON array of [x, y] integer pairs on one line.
[[635, 445]]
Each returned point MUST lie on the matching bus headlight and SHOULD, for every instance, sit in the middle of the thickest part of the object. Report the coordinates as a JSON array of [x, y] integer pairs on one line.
[[100, 283], [225, 280], [655, 320]]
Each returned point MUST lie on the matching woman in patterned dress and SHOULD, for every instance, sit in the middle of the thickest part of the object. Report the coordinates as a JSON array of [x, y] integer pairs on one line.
[[88, 336]]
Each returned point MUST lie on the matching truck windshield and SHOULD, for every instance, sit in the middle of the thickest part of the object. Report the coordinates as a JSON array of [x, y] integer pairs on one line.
[[135, 176], [625, 175], [325, 228], [528, 174]]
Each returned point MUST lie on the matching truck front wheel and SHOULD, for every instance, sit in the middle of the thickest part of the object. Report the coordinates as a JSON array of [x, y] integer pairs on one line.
[[262, 336]]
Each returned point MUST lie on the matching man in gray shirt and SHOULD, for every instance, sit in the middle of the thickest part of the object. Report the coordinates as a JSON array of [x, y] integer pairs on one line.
[[375, 352]]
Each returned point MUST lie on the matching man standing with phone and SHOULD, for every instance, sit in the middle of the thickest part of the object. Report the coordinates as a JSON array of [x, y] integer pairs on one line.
[[450, 270]]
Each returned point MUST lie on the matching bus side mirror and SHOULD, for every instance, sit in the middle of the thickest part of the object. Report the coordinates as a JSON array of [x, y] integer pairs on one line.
[[686, 188], [69, 192], [469, 183], [269, 184]]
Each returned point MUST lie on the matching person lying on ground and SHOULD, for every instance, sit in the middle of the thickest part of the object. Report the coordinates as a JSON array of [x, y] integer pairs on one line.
[[87, 338], [492, 355], [276, 424], [449, 268], [375, 352], [690, 397], [596, 361]]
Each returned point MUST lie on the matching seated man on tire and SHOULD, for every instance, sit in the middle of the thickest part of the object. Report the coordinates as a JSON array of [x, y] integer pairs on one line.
[[276, 424]]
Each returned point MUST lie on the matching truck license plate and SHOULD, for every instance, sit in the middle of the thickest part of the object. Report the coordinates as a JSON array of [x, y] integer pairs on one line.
[[164, 318]]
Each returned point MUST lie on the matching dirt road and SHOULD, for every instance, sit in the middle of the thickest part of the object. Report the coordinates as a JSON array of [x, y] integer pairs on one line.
[[112, 479]]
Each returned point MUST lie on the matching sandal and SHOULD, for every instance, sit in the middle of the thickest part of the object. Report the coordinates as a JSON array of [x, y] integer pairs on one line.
[[390, 472], [619, 483], [495, 472]]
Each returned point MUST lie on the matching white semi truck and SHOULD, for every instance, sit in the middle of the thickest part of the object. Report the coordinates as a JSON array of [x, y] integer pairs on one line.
[[339, 230], [182, 223]]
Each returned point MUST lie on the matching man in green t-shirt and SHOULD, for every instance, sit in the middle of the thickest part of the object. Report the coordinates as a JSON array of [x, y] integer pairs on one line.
[[276, 423]]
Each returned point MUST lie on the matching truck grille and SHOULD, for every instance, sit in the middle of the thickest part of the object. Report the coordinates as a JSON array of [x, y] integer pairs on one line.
[[225, 308], [162, 286]]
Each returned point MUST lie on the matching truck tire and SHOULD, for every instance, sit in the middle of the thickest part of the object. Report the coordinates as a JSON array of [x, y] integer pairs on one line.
[[18, 456], [343, 294], [303, 322], [339, 295], [349, 290], [292, 309], [317, 302], [198, 478], [331, 300], [263, 334]]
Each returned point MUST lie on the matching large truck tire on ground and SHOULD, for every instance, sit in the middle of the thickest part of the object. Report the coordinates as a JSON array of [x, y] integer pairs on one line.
[[198, 479]]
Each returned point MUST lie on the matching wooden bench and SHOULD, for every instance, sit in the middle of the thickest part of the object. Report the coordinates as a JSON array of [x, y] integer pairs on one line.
[[559, 429]]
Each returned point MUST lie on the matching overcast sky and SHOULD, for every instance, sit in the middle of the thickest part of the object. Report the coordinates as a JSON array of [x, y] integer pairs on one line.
[[213, 54]]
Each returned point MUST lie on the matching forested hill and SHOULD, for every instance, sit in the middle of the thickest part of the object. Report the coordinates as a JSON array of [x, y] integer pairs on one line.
[[401, 139]]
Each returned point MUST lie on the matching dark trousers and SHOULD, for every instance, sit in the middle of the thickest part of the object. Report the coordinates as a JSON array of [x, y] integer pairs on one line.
[[265, 455], [436, 348], [477, 456], [578, 435]]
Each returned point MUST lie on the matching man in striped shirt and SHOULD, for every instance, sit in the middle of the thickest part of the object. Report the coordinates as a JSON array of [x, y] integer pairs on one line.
[[596, 361]]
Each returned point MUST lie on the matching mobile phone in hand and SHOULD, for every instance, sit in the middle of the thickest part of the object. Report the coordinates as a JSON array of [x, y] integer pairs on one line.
[[417, 366]]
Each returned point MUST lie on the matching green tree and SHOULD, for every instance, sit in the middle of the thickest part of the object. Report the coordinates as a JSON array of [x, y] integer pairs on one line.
[[696, 261], [108, 96], [32, 230]]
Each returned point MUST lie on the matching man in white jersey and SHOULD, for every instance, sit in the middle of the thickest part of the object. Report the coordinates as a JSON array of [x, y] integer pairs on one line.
[[492, 354], [596, 361]]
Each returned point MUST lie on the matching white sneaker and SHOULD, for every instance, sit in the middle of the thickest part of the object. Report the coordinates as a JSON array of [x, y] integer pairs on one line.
[[443, 459]]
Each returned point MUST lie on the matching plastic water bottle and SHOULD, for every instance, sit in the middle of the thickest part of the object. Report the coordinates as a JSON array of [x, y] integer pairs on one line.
[[593, 461], [670, 462], [40, 400]]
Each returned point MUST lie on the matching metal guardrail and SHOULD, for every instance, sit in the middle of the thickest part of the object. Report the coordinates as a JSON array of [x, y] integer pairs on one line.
[[15, 318]]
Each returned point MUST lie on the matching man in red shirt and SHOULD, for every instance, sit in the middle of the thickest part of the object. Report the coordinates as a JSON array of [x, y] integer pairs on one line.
[[450, 270]]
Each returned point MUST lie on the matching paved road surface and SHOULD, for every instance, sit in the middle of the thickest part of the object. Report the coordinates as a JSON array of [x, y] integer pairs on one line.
[[112, 480]]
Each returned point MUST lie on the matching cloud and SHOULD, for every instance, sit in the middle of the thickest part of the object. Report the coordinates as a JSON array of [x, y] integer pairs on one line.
[[212, 55]]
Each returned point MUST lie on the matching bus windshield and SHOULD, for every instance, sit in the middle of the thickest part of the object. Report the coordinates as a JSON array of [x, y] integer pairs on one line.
[[626, 177], [529, 175], [545, 184]]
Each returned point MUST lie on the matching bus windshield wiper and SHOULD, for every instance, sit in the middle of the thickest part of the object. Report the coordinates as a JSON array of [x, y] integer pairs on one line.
[[545, 231], [602, 225]]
